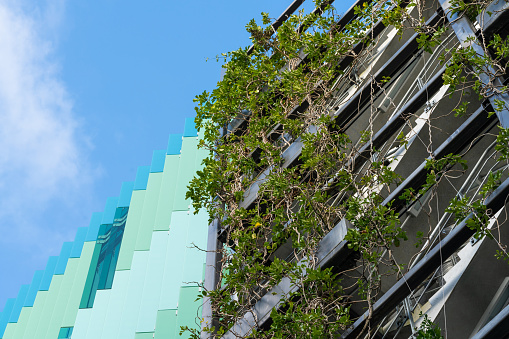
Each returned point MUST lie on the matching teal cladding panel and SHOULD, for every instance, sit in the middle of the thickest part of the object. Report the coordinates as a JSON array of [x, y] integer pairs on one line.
[[149, 212], [153, 283], [196, 244], [20, 300], [60, 298], [189, 309], [48, 273], [141, 178], [131, 231], [82, 324], [65, 253], [76, 290], [6, 314], [190, 128], [49, 306], [166, 324], [17, 329], [34, 287], [126, 192], [172, 278], [88, 290], [109, 211], [93, 228], [98, 317], [167, 193], [77, 246], [116, 305], [174, 144], [158, 158], [131, 308], [186, 173], [65, 333], [36, 314]]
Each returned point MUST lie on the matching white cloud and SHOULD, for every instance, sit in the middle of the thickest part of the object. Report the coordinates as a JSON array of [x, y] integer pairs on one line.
[[42, 160]]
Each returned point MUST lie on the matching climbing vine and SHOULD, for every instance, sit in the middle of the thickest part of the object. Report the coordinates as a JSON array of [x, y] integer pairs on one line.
[[279, 98]]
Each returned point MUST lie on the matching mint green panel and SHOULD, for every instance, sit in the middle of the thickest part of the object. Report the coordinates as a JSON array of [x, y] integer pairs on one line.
[[131, 231], [89, 280], [166, 324], [71, 309], [10, 329], [37, 309], [22, 323], [195, 256], [63, 296], [172, 278], [98, 316], [186, 173], [149, 212], [117, 301], [131, 308], [153, 283], [189, 310], [82, 323], [144, 335], [167, 194], [81, 319], [49, 305]]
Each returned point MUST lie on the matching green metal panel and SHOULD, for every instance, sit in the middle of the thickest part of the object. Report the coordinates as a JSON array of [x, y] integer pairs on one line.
[[167, 194], [98, 316], [22, 323], [144, 335], [10, 330], [81, 326], [62, 298], [117, 300], [131, 231], [186, 173], [195, 256], [149, 212], [173, 270], [166, 324], [71, 309], [189, 310], [49, 305], [37, 309], [131, 307], [89, 280], [153, 282]]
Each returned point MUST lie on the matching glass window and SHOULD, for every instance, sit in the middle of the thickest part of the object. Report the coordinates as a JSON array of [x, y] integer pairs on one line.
[[104, 260], [65, 333]]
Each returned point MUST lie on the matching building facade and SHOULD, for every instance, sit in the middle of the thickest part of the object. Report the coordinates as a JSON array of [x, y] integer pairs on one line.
[[134, 272], [394, 101], [137, 270]]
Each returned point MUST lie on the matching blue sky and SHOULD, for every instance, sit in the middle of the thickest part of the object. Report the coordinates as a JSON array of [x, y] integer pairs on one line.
[[88, 89]]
